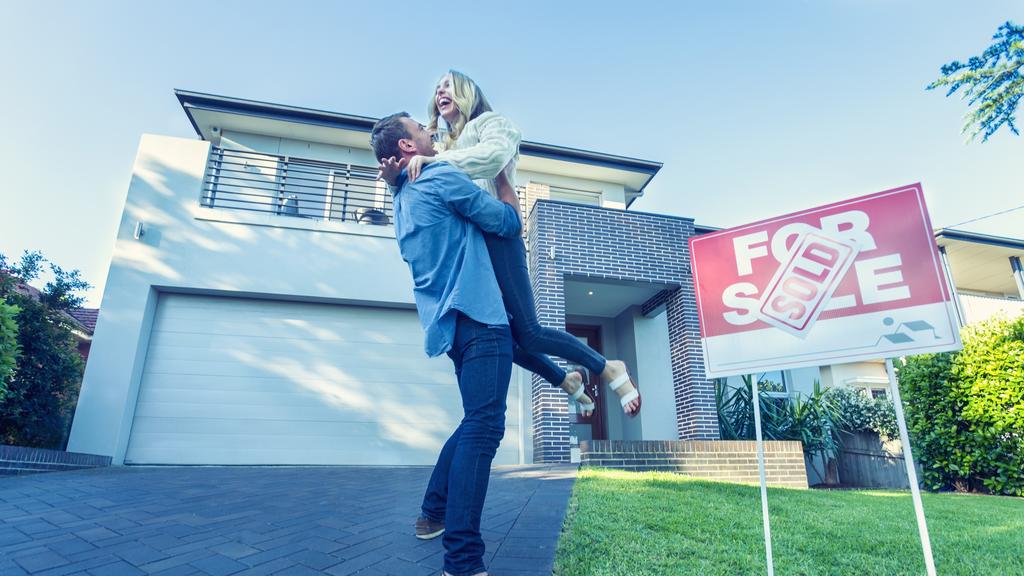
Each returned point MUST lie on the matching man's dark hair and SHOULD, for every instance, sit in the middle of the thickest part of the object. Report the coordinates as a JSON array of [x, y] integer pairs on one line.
[[385, 136]]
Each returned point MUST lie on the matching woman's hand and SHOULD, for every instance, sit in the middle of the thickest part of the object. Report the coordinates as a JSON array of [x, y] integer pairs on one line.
[[389, 170], [506, 193], [416, 164]]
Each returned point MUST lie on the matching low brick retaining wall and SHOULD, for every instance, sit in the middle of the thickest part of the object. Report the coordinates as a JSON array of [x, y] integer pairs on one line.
[[726, 460], [19, 460]]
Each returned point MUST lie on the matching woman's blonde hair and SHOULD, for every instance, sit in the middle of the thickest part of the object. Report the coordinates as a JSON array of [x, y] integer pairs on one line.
[[468, 98]]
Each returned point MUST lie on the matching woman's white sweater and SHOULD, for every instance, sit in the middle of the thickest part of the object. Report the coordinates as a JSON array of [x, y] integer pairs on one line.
[[488, 144]]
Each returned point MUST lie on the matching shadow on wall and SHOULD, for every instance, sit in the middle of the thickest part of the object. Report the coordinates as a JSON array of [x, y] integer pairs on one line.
[[415, 421], [178, 250]]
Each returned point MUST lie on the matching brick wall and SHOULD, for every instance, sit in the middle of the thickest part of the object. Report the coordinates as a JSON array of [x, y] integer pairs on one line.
[[617, 245], [726, 460], [19, 460]]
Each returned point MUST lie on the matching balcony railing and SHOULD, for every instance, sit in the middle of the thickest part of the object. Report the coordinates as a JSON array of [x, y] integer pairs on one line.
[[977, 308], [295, 187]]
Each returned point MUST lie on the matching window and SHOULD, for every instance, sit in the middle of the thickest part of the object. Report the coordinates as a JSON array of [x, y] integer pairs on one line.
[[774, 384], [869, 386], [304, 187], [587, 197]]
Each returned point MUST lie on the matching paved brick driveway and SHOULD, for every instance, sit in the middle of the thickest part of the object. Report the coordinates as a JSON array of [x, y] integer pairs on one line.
[[262, 521]]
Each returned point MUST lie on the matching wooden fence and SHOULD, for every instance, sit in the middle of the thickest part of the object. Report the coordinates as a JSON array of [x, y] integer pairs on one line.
[[866, 461]]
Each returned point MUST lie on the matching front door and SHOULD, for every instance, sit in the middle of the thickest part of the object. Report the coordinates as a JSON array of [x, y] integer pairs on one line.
[[592, 428]]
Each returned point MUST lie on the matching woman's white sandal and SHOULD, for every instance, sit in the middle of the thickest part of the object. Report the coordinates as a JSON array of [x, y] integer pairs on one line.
[[629, 396], [576, 398], [580, 391]]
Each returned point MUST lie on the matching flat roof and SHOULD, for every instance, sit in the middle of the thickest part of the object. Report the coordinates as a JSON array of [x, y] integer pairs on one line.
[[978, 238], [192, 102]]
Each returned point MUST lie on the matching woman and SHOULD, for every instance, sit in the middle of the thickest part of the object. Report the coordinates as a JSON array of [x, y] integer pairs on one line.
[[484, 145]]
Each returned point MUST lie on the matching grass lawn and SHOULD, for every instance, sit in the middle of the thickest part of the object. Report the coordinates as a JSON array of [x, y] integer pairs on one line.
[[626, 523]]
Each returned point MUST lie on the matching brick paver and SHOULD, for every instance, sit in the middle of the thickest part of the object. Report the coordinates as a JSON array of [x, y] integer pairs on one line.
[[266, 521]]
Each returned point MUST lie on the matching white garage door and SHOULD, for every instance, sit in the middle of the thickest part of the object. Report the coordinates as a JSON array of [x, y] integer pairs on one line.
[[243, 381]]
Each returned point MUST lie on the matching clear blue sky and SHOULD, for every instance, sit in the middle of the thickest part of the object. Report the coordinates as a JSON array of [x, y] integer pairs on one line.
[[755, 108]]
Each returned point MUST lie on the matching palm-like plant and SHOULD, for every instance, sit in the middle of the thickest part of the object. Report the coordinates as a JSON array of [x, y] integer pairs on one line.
[[815, 420]]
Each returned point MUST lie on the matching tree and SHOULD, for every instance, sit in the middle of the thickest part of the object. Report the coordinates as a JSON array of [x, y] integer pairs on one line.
[[992, 83], [42, 393]]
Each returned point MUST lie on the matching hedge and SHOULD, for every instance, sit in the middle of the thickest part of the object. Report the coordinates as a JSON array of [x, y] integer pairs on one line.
[[965, 410]]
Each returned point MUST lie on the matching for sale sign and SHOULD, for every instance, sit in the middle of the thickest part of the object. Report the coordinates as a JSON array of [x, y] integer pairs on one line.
[[849, 281]]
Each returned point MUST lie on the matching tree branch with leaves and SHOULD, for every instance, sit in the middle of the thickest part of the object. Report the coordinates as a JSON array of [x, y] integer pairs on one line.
[[992, 83]]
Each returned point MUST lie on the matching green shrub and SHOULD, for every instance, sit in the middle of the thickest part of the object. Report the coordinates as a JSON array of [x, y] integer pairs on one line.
[[863, 413], [965, 410], [43, 390], [41, 398], [9, 348]]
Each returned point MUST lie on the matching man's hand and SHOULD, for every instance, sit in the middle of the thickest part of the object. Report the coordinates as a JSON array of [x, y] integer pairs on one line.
[[416, 164], [389, 170]]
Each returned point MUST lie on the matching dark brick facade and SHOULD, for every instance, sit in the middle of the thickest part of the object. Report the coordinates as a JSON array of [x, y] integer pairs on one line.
[[729, 461], [574, 240]]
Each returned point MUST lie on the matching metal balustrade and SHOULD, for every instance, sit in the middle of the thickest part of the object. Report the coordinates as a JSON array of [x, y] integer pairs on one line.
[[301, 188], [295, 187]]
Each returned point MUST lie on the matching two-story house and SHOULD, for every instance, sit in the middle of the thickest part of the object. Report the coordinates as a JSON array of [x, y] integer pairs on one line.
[[257, 310]]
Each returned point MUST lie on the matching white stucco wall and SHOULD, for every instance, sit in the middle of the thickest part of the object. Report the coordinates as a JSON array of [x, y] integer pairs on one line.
[[626, 342], [859, 373], [188, 248], [802, 379], [297, 148], [612, 195], [654, 377]]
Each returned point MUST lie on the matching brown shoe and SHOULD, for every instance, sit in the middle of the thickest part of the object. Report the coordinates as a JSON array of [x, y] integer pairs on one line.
[[427, 528]]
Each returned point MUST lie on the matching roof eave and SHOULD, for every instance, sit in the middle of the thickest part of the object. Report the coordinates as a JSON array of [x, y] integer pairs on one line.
[[978, 238], [190, 100]]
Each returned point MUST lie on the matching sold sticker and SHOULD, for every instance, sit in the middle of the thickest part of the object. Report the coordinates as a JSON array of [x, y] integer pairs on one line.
[[802, 286], [821, 286]]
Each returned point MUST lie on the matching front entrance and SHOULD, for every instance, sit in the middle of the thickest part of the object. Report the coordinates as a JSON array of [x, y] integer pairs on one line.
[[594, 427]]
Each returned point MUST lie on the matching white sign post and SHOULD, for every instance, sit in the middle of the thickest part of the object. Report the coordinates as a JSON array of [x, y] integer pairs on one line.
[[908, 459], [764, 483], [854, 280]]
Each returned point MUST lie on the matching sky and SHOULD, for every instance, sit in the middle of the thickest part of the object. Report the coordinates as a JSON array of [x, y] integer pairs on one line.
[[755, 108]]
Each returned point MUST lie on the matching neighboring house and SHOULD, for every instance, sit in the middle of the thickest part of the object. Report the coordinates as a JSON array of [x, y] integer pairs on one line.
[[81, 320], [257, 310], [986, 272], [85, 318]]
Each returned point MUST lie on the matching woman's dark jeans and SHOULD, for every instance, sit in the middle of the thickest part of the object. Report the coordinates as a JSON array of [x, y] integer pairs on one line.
[[534, 343], [455, 495]]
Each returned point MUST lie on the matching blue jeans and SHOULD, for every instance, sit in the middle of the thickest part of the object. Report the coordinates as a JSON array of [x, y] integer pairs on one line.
[[455, 495], [534, 343]]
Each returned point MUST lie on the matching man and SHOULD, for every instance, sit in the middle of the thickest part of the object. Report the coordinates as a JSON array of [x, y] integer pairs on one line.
[[438, 223]]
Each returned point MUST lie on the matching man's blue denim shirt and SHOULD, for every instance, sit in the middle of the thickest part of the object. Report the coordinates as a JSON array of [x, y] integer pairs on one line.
[[438, 223]]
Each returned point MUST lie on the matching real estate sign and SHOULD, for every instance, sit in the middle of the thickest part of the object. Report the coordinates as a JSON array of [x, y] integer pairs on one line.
[[853, 280]]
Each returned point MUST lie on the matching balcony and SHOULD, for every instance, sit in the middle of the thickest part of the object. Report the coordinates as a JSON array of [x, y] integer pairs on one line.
[[295, 187], [978, 308]]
